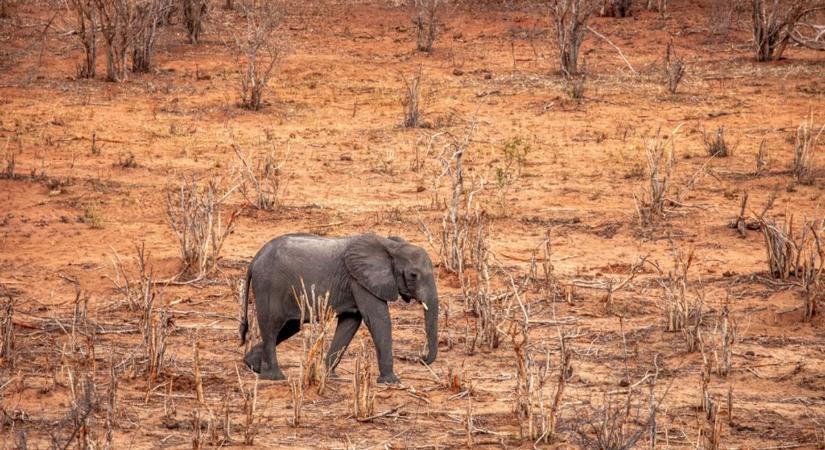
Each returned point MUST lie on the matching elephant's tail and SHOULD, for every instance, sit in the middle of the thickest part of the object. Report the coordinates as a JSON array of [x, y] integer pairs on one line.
[[244, 328]]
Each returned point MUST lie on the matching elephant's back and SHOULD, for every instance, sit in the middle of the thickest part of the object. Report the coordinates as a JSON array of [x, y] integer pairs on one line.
[[303, 246]]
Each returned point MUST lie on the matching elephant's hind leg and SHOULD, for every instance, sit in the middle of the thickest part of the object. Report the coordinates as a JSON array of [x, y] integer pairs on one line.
[[270, 369], [253, 358]]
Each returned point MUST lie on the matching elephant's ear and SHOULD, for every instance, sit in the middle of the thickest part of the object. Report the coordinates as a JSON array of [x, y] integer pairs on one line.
[[368, 261]]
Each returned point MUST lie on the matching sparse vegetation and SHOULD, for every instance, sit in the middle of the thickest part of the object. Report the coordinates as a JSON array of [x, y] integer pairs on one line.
[[674, 69], [263, 172], [683, 308], [194, 14], [617, 8], [412, 101], [807, 139], [363, 379], [716, 144], [660, 157], [194, 212], [85, 14], [259, 49], [774, 23]]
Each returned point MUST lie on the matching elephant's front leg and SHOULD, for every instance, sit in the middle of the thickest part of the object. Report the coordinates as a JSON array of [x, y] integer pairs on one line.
[[376, 315], [348, 324]]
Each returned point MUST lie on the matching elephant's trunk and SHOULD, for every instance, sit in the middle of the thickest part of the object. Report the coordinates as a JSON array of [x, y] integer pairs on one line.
[[431, 327]]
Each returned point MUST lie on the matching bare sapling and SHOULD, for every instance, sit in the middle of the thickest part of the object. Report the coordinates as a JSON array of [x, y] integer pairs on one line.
[[762, 160], [570, 19], [258, 48], [716, 145], [7, 355], [148, 18], [263, 183], [807, 139], [194, 213], [133, 289], [478, 295], [412, 101], [660, 157], [774, 23], [426, 21], [682, 309], [316, 319], [712, 430], [363, 379], [85, 14], [508, 172], [674, 69], [115, 18], [296, 392], [194, 14]]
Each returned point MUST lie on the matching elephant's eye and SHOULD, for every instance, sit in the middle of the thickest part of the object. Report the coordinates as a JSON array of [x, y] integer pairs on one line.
[[413, 275]]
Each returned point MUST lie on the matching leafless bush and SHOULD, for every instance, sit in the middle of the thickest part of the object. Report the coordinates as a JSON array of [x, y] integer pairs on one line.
[[154, 326], [660, 153], [85, 13], [258, 49], [263, 172], [683, 311], [194, 214], [316, 319], [478, 295], [788, 256], [807, 139], [412, 101], [659, 6], [570, 20], [775, 21], [249, 407], [674, 69], [620, 423], [134, 289], [115, 18], [727, 338], [712, 430], [716, 144], [7, 333], [616, 8], [576, 85], [426, 21], [537, 414], [720, 17], [148, 17], [194, 13], [362, 383]]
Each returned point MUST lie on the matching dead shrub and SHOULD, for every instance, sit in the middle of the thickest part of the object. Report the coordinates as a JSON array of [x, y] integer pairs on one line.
[[616, 8], [774, 23], [262, 171], [674, 69], [660, 6], [720, 17], [807, 139], [148, 17], [716, 144], [576, 85], [193, 212], [115, 18], [726, 327], [363, 384], [85, 14], [194, 14], [7, 354], [258, 49], [412, 101], [296, 391], [154, 326], [316, 320], [762, 157], [682, 310], [249, 406], [660, 157], [426, 21], [570, 21], [620, 420], [478, 296], [537, 414]]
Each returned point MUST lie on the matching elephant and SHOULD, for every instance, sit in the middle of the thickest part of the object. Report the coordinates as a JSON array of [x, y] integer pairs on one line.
[[361, 274]]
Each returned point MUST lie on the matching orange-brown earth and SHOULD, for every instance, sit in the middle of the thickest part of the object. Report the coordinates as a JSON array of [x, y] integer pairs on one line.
[[335, 108]]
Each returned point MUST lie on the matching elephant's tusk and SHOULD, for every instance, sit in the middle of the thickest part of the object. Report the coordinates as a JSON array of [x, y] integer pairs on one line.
[[425, 306]]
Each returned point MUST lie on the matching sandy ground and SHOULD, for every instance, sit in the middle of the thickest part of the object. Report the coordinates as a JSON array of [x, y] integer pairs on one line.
[[333, 114]]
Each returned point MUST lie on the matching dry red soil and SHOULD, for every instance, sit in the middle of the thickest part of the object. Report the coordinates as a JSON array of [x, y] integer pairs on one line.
[[334, 112]]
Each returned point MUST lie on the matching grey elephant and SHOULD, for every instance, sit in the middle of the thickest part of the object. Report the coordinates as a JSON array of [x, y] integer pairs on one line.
[[361, 273]]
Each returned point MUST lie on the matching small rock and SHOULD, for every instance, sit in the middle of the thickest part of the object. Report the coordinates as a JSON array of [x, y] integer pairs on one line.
[[346, 157], [458, 72]]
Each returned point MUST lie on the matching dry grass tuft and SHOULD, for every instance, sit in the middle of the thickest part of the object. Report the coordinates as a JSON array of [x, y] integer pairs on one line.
[[263, 171], [7, 354], [660, 157], [674, 69], [683, 311], [716, 145], [412, 101]]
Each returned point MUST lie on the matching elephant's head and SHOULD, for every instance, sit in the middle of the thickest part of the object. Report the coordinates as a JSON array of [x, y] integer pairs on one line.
[[392, 267]]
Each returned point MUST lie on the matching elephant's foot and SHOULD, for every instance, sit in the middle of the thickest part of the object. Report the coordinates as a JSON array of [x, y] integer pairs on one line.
[[253, 360], [272, 374], [389, 379]]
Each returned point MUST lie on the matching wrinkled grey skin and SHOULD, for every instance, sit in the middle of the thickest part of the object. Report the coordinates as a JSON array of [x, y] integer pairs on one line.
[[361, 273]]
